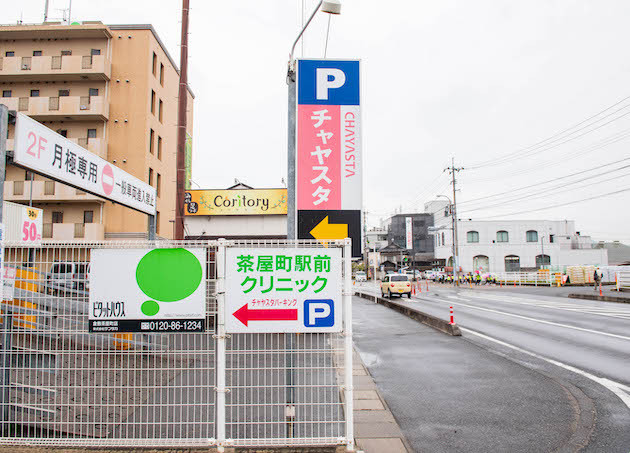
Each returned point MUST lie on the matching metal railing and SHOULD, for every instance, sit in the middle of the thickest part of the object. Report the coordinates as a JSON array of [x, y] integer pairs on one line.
[[539, 278], [53, 103], [23, 104], [623, 280], [61, 385]]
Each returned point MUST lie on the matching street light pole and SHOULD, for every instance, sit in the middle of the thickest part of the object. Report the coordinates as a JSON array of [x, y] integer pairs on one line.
[[330, 7]]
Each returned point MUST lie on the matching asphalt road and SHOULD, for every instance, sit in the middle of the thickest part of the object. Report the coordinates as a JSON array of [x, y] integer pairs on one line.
[[584, 343]]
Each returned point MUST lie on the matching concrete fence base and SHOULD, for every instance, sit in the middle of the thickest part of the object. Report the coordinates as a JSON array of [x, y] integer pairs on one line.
[[619, 300], [431, 321]]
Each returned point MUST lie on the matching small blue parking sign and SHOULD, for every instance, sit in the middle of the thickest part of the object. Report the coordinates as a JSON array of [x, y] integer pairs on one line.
[[328, 82], [319, 313]]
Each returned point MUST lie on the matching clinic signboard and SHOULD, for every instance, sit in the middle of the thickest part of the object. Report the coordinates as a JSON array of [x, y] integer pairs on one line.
[[328, 149], [147, 290], [236, 202], [43, 151], [281, 290]]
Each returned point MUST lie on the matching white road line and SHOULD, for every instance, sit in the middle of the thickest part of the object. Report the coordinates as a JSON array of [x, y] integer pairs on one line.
[[613, 386], [600, 311], [542, 321]]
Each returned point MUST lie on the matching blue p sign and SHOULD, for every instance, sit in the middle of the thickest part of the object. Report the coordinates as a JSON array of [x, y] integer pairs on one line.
[[319, 313], [329, 82]]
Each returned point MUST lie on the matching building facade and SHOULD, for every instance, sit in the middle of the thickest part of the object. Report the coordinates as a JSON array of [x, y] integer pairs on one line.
[[422, 251], [112, 90], [513, 245], [238, 212]]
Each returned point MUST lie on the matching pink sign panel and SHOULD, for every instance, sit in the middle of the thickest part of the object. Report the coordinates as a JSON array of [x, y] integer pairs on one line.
[[319, 178]]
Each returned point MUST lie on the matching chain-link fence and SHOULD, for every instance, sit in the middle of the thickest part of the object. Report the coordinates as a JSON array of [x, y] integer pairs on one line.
[[63, 385]]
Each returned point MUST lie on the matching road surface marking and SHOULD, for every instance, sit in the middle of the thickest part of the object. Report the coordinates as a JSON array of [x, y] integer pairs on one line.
[[613, 386], [542, 321]]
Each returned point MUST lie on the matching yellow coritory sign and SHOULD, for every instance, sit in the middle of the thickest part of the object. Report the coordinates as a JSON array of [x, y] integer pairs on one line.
[[236, 202]]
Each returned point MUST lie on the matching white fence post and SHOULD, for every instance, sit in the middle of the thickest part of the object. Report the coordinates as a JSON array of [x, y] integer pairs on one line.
[[347, 304], [220, 336]]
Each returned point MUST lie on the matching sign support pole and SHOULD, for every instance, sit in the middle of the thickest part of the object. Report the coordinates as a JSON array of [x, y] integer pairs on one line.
[[291, 206], [4, 125], [151, 234], [220, 337], [347, 320]]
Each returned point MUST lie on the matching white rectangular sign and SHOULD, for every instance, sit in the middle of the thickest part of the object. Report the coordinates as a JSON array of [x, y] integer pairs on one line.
[[147, 290], [283, 290], [44, 151], [409, 233], [8, 283]]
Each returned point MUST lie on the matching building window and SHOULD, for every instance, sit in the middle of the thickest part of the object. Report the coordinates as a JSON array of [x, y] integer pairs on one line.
[[481, 263], [66, 53], [543, 260], [159, 148], [157, 222], [88, 216], [9, 53], [531, 236], [472, 236], [161, 74], [154, 67], [153, 102], [6, 93], [160, 110], [502, 236], [442, 238], [93, 92], [57, 217], [64, 93], [34, 93], [158, 184], [28, 175], [151, 136], [63, 132], [95, 52], [91, 133], [512, 263], [551, 236], [150, 176], [37, 53]]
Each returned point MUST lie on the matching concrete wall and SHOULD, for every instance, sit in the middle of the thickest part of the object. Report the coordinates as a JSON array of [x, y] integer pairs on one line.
[[236, 225]]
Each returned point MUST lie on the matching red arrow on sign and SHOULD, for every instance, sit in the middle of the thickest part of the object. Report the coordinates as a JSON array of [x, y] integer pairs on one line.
[[244, 314]]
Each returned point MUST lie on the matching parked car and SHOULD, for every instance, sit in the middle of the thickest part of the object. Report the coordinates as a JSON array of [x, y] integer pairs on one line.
[[396, 284], [65, 277], [360, 276], [411, 273]]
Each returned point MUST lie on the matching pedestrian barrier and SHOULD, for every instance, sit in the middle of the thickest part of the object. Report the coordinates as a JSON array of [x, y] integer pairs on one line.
[[539, 278], [62, 385], [623, 280]]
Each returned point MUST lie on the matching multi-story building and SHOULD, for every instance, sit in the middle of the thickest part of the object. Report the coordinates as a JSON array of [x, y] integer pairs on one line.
[[512, 245], [113, 90], [421, 252]]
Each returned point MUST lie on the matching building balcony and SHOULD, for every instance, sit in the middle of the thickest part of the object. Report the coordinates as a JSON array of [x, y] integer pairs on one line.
[[47, 68], [45, 192], [96, 145], [88, 232], [61, 108]]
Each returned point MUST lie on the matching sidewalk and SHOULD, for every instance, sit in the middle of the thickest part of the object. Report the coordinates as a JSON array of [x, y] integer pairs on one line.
[[375, 429]]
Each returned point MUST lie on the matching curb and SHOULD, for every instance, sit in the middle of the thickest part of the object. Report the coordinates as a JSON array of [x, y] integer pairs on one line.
[[431, 321], [619, 300]]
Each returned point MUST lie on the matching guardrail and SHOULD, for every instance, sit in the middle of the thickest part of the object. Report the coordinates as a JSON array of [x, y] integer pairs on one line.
[[527, 278]]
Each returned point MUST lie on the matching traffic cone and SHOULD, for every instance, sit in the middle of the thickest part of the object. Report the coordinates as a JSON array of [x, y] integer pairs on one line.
[[427, 286], [419, 286]]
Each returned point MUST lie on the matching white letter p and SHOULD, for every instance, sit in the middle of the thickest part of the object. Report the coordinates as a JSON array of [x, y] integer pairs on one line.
[[317, 310], [323, 84]]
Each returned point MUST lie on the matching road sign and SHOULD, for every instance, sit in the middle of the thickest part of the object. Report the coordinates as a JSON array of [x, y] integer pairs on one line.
[[283, 290], [42, 150], [329, 158], [139, 290], [323, 225]]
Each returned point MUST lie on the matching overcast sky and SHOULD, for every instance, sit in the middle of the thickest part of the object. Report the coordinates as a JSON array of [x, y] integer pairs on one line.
[[478, 81]]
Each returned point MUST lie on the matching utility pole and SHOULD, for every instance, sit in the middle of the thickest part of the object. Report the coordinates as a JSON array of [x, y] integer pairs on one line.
[[452, 171], [181, 126]]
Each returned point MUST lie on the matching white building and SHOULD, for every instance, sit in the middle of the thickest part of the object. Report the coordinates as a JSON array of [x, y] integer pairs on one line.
[[512, 245]]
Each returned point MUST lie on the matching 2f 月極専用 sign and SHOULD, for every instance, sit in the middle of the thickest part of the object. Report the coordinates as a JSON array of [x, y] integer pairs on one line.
[[283, 290], [42, 150]]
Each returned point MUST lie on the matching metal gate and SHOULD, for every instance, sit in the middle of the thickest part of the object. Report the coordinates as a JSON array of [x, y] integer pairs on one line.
[[62, 385]]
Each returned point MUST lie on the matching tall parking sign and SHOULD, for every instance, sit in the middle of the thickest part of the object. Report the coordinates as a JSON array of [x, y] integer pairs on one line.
[[329, 161]]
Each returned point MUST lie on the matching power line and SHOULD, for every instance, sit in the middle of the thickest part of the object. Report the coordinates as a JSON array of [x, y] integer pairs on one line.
[[530, 197], [626, 189], [545, 182], [557, 135]]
